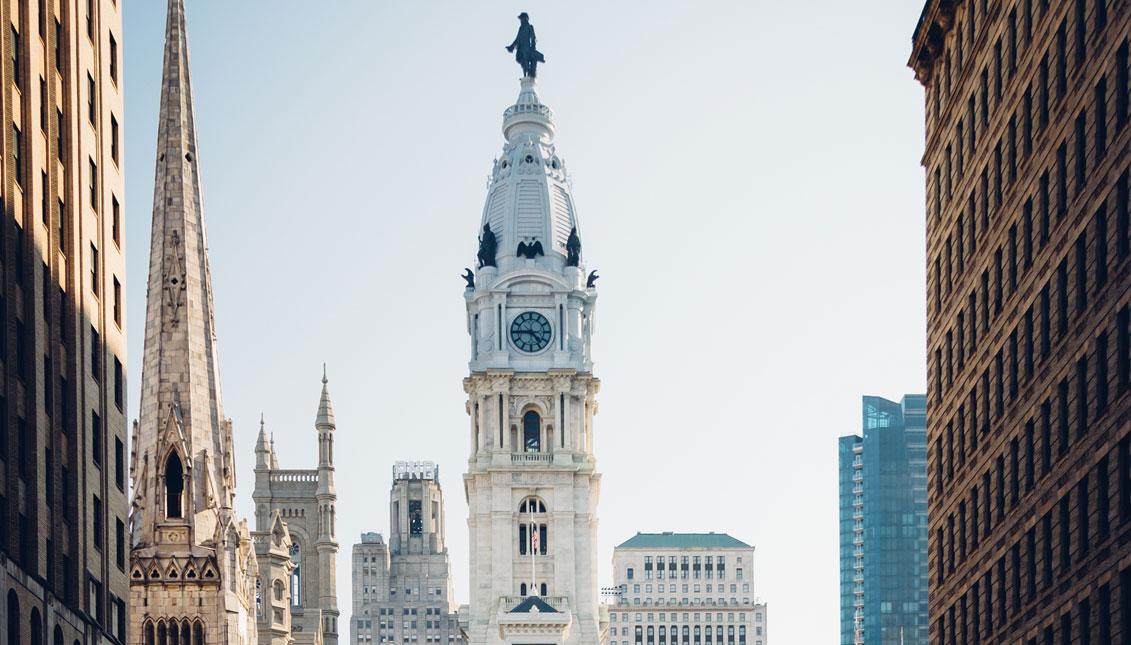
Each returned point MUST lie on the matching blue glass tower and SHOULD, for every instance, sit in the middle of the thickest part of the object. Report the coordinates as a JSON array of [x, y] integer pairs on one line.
[[883, 525]]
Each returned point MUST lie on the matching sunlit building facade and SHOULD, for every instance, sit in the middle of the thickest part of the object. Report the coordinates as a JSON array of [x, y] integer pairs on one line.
[[883, 525], [64, 509], [1028, 291]]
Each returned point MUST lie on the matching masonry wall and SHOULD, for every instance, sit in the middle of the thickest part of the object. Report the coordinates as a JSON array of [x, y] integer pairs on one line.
[[63, 505], [1028, 294]]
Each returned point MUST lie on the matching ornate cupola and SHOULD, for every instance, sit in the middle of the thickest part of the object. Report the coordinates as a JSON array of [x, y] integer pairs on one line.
[[530, 254]]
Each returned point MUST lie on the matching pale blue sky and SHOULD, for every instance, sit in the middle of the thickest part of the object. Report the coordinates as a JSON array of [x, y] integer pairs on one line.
[[748, 179]]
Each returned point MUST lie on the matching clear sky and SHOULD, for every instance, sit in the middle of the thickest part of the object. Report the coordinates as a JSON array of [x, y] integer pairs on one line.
[[748, 179]]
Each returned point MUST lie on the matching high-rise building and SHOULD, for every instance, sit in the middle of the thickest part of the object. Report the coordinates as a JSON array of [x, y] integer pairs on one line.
[[63, 500], [306, 502], [532, 486], [402, 591], [883, 525], [192, 565], [1028, 330], [686, 589]]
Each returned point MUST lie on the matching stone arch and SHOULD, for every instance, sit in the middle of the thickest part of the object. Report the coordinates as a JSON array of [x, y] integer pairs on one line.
[[173, 476], [35, 627], [13, 617], [147, 631], [531, 430]]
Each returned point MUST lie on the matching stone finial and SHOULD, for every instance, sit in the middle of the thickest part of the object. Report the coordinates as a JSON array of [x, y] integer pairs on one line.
[[325, 418]]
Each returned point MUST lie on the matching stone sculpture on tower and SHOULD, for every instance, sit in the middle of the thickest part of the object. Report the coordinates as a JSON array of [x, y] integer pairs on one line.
[[532, 486], [192, 564]]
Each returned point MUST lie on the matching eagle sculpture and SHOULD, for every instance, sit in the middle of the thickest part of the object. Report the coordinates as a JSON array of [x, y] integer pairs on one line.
[[530, 251]]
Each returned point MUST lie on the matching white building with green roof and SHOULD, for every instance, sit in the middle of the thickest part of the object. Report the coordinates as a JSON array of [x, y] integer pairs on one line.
[[685, 589]]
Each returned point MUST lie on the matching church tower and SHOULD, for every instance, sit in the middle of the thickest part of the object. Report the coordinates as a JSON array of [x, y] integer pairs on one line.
[[532, 486], [192, 565], [306, 500]]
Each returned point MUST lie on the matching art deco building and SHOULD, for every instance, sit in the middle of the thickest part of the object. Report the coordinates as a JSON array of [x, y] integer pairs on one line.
[[192, 565], [305, 501], [686, 589], [531, 400], [1029, 287], [883, 525], [402, 591], [63, 500]]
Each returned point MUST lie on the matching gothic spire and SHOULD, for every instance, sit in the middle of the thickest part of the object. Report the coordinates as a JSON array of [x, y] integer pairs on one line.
[[325, 418], [180, 392]]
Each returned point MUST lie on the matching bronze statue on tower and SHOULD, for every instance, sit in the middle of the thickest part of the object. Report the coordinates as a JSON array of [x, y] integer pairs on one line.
[[525, 52]]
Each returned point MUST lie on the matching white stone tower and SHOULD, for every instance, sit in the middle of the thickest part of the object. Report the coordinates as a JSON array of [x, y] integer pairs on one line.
[[531, 401], [307, 502], [192, 566]]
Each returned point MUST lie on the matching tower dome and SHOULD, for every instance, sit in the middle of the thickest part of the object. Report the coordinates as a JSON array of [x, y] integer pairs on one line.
[[529, 200]]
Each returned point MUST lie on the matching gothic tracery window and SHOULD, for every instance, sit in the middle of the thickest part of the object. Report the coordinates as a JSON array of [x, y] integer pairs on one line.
[[174, 487]]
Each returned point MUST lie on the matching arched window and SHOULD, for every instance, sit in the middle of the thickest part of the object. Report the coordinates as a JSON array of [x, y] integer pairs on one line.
[[57, 639], [296, 576], [543, 589], [279, 589], [161, 632], [148, 629], [198, 633], [532, 505], [522, 589], [174, 637], [186, 637], [531, 431], [35, 624], [258, 599], [13, 617], [174, 486]]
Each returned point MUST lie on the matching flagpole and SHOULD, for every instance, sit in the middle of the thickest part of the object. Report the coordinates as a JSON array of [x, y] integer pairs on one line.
[[533, 542]]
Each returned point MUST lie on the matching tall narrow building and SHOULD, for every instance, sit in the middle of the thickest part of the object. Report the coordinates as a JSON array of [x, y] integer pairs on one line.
[[883, 525], [402, 591], [306, 501], [192, 565], [532, 485], [63, 488], [1028, 331]]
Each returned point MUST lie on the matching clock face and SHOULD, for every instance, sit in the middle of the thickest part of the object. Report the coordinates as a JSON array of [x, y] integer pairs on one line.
[[530, 331]]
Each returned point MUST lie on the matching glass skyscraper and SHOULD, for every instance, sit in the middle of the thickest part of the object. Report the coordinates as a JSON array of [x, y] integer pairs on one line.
[[883, 525]]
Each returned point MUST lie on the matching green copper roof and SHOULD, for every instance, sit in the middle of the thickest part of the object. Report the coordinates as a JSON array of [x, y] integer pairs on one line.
[[669, 540]]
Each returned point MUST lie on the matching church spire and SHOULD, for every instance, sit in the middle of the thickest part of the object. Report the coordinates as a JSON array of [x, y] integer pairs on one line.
[[181, 405]]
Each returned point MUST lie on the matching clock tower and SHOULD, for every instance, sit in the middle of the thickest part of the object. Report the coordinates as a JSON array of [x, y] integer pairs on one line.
[[532, 485]]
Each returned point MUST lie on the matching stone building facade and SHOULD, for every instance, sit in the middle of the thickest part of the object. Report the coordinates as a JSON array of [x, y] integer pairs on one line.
[[686, 589], [402, 591], [1029, 288], [305, 500], [192, 565], [63, 489], [532, 485]]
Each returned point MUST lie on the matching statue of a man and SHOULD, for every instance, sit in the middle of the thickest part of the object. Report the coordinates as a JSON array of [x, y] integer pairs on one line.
[[487, 246], [573, 248], [525, 52]]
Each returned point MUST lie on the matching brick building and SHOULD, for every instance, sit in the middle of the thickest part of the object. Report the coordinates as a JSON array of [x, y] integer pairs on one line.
[[1029, 284], [63, 504]]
